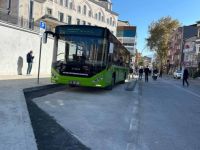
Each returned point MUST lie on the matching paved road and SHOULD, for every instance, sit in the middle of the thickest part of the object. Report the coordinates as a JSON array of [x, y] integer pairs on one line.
[[169, 116], [100, 119], [159, 115]]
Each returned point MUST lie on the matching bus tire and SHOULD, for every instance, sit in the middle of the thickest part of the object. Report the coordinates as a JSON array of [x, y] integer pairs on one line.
[[123, 81], [110, 87]]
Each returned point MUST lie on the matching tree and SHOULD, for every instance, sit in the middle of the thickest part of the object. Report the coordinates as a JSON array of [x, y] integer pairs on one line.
[[141, 62], [159, 37]]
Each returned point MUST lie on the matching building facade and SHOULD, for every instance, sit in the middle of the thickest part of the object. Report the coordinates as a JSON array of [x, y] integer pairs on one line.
[[174, 53], [176, 46], [198, 43], [127, 35], [190, 56], [59, 12]]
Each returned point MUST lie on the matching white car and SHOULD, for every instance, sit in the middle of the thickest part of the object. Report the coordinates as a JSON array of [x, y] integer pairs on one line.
[[177, 74]]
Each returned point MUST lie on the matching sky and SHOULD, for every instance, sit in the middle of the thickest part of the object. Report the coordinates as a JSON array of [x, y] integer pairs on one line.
[[141, 13]]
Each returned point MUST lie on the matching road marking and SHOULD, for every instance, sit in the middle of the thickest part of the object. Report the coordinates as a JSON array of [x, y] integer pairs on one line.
[[133, 124]]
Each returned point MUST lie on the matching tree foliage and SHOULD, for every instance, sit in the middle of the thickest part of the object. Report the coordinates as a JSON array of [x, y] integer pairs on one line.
[[159, 36]]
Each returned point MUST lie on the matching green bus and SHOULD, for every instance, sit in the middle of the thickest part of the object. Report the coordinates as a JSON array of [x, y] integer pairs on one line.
[[88, 56]]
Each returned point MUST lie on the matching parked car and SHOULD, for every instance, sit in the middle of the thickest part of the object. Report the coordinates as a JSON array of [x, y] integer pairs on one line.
[[177, 74]]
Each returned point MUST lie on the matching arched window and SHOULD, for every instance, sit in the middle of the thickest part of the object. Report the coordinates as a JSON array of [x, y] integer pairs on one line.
[[66, 3], [79, 9], [96, 16], [113, 23], [99, 18], [90, 13], [71, 5], [107, 20], [84, 10], [110, 20], [103, 19]]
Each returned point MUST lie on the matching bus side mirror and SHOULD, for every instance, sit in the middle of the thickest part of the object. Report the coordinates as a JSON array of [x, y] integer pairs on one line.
[[45, 36]]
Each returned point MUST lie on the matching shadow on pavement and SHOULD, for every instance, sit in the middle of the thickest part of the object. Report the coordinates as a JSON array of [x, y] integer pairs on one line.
[[49, 134]]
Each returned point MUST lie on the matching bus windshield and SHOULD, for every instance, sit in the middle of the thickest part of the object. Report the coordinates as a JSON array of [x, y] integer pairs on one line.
[[82, 49]]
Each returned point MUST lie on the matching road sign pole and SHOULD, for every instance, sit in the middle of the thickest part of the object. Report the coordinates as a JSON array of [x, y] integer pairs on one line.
[[42, 30], [38, 78]]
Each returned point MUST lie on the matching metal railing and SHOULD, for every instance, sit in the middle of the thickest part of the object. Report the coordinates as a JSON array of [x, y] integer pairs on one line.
[[19, 21]]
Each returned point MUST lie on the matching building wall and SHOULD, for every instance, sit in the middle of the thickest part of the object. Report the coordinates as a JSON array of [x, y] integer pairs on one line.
[[14, 6], [176, 56], [40, 9], [18, 42], [24, 9], [190, 56], [127, 36], [4, 4], [198, 42]]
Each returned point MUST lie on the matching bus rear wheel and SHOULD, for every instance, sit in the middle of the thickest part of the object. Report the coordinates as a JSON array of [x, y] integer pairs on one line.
[[110, 87], [123, 81]]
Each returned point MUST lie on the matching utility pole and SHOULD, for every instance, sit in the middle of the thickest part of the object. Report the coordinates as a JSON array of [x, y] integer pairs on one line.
[[42, 30], [38, 81]]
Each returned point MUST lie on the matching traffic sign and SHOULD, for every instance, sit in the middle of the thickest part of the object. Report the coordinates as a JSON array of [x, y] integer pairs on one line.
[[42, 28], [42, 25]]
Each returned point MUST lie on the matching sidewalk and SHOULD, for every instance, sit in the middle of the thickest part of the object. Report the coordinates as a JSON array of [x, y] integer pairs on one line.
[[16, 131]]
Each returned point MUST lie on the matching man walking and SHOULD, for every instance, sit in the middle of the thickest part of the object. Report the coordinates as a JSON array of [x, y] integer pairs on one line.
[[29, 58], [146, 72], [185, 77], [140, 73]]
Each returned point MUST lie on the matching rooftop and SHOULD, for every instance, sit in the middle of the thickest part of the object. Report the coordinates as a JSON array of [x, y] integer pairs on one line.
[[123, 23]]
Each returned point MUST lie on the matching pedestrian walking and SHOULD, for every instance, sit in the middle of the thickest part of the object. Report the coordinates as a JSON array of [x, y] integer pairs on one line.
[[29, 58], [146, 73], [155, 73], [185, 77], [141, 73]]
